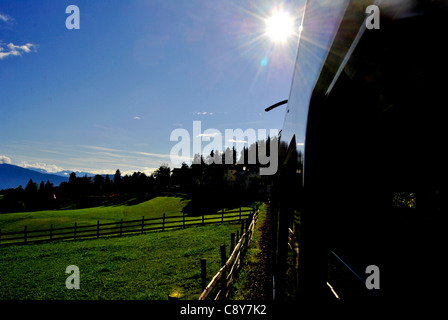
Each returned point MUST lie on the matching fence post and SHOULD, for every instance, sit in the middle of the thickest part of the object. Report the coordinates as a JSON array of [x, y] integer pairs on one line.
[[74, 234], [246, 241], [163, 222], [222, 215], [143, 223], [51, 232], [24, 234], [224, 274], [242, 227], [202, 217], [240, 213], [98, 228], [232, 242], [0, 235], [203, 273], [183, 219], [121, 226]]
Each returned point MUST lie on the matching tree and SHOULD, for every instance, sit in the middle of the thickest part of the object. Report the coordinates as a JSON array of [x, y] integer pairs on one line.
[[227, 157], [49, 186], [211, 158], [107, 184], [117, 177], [98, 184], [162, 176], [72, 178], [31, 186], [31, 195], [234, 155], [117, 180], [197, 159]]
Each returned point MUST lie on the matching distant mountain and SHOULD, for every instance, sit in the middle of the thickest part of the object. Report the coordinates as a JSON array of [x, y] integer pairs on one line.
[[64, 173], [12, 176]]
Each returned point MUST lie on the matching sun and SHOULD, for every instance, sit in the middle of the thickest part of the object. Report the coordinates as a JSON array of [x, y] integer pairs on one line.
[[279, 27]]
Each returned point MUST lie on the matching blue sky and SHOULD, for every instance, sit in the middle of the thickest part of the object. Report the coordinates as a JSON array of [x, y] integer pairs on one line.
[[107, 96]]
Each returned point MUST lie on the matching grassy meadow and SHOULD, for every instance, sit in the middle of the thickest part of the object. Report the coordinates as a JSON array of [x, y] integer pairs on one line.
[[156, 207], [133, 267], [41, 220]]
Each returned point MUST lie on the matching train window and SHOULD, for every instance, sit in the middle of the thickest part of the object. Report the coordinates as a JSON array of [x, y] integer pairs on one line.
[[365, 124]]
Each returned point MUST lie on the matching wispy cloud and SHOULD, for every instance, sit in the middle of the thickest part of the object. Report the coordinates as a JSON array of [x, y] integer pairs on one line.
[[203, 113], [100, 148], [124, 153], [236, 141], [5, 18], [208, 135], [11, 49], [107, 154], [158, 155], [137, 118]]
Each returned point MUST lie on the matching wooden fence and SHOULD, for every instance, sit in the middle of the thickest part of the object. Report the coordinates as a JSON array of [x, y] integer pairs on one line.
[[220, 285], [119, 228]]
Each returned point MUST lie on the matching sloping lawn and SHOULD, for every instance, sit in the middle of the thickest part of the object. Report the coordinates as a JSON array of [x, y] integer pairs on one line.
[[148, 266], [156, 207]]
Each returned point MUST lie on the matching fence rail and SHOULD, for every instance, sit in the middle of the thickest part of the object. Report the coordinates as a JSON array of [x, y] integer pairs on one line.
[[222, 280], [119, 228]]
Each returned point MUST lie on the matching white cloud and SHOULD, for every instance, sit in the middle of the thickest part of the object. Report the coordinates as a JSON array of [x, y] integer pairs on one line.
[[124, 153], [158, 155], [214, 134], [137, 118], [13, 50], [236, 141], [5, 18], [50, 168], [5, 159], [100, 148]]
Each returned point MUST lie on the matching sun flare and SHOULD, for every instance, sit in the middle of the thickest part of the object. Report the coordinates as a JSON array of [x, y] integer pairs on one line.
[[279, 27]]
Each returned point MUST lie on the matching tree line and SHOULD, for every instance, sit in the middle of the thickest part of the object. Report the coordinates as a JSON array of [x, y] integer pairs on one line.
[[210, 182]]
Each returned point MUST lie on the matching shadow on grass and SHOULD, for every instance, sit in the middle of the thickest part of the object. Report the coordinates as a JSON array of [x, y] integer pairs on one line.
[[124, 201], [197, 207]]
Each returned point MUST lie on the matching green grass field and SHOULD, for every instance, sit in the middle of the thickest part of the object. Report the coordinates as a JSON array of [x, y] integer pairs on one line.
[[39, 220], [145, 266], [155, 207], [148, 266]]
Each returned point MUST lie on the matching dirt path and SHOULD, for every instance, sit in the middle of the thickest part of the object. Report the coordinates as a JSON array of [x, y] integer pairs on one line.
[[260, 280]]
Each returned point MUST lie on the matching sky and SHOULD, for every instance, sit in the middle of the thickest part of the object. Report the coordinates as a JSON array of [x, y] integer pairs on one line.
[[108, 95]]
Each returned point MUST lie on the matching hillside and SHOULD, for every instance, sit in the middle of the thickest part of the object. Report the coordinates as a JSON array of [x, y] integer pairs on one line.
[[156, 207], [12, 176]]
